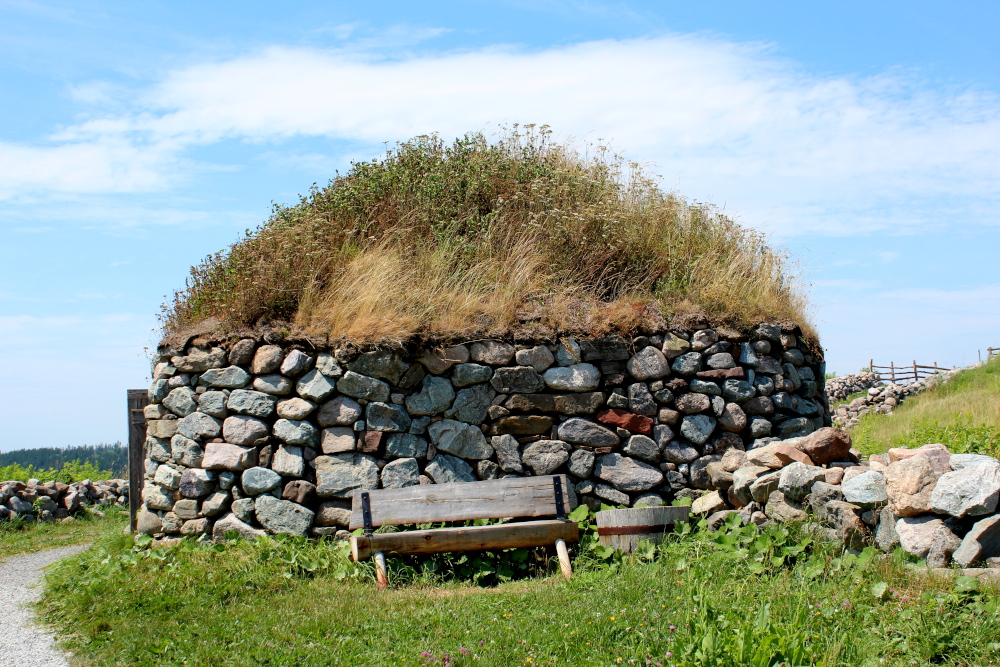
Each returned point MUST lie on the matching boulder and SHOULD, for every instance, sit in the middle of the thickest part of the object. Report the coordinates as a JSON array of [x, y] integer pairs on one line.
[[866, 490], [464, 440], [970, 491], [356, 385], [918, 533], [400, 473], [469, 374], [181, 401], [545, 456], [492, 352], [627, 474], [339, 411], [909, 483], [232, 377], [385, 417], [194, 527], [288, 461], [405, 445], [648, 364], [643, 447], [518, 380], [196, 482], [767, 457], [384, 364], [296, 363], [445, 469], [583, 432], [508, 454], [213, 403], [782, 509], [215, 503], [230, 523], [256, 481], [435, 396], [472, 404], [199, 426], [679, 452], [697, 428], [797, 479], [581, 463], [980, 543], [709, 504], [686, 365], [538, 357], [826, 445], [226, 456], [243, 430], [318, 387], [282, 516], [147, 522], [296, 432], [337, 476]]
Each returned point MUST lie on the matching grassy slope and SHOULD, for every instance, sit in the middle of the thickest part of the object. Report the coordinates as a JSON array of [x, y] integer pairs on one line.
[[696, 604], [17, 538], [963, 414], [442, 241]]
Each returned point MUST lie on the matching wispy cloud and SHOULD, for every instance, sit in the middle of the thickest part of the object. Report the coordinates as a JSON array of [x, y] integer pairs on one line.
[[722, 121]]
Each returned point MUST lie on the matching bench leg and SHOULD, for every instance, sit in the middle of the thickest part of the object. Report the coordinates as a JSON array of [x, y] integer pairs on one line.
[[563, 553], [381, 575]]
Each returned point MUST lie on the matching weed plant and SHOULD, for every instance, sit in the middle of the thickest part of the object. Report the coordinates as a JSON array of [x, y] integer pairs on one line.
[[69, 472], [19, 536], [737, 596], [439, 241]]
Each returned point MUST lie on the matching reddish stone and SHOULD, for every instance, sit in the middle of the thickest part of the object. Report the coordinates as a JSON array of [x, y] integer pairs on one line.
[[826, 445], [626, 420], [371, 441], [676, 386], [722, 374], [299, 491], [603, 450], [787, 454]]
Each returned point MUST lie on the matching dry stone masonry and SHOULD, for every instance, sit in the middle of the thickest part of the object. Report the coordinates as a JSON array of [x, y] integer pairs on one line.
[[879, 398], [51, 501], [258, 437]]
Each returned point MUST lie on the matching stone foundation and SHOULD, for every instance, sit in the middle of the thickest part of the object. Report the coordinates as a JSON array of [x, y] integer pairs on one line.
[[256, 436]]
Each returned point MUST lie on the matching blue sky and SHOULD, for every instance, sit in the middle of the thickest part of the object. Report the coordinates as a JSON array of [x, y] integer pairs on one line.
[[137, 138]]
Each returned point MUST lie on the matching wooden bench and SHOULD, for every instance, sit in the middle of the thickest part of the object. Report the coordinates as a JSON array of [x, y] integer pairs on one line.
[[513, 497]]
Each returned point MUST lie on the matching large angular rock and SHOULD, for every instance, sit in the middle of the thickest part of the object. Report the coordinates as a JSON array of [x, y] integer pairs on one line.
[[339, 411], [917, 533], [909, 483], [181, 401], [697, 428], [545, 456], [199, 426], [959, 461], [387, 417], [186, 451], [435, 396], [701, 477], [461, 439], [471, 404], [362, 386], [384, 364], [538, 357], [648, 364], [439, 361], [643, 447], [583, 432], [215, 503], [469, 374], [971, 491], [338, 440], [980, 543], [578, 377], [518, 380], [251, 403], [733, 419], [782, 509], [492, 352], [640, 401], [508, 454], [318, 387], [686, 365], [295, 363], [167, 477], [886, 536], [679, 452], [256, 481], [282, 516], [213, 403], [233, 377], [158, 449], [337, 476], [226, 456], [405, 445], [797, 479], [627, 474], [674, 346], [147, 522], [196, 482], [581, 463], [229, 523], [826, 445], [763, 486], [823, 493], [242, 430], [155, 497], [400, 473], [845, 519], [709, 504], [333, 513], [866, 490], [288, 461], [446, 469], [296, 432]]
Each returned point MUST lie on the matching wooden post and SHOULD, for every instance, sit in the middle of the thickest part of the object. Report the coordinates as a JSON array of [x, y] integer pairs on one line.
[[915, 370], [892, 372], [563, 553], [871, 365], [381, 575], [137, 400]]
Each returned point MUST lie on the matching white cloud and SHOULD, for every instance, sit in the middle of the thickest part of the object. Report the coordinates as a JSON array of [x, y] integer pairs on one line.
[[724, 122]]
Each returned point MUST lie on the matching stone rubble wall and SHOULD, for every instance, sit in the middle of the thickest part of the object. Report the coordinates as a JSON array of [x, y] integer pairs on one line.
[[881, 398], [51, 501], [934, 504], [258, 437]]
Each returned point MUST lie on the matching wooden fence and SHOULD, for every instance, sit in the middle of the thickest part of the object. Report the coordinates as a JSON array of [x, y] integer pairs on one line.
[[901, 374], [137, 400], [992, 352]]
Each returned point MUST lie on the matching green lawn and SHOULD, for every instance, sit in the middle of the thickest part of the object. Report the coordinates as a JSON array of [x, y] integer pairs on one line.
[[733, 598], [18, 538], [963, 413]]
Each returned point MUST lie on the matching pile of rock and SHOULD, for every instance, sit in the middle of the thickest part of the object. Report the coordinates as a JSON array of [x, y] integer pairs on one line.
[[936, 505], [48, 501], [880, 399], [842, 386], [258, 437]]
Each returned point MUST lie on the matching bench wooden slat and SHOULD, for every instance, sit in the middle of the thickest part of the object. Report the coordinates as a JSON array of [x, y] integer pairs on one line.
[[514, 497], [473, 538]]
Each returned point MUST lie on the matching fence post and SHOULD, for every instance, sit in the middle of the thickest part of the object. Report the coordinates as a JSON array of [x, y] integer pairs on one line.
[[137, 400], [871, 365], [892, 372], [915, 370]]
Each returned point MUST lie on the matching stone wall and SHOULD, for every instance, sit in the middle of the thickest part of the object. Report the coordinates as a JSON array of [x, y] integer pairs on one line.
[[256, 436], [880, 398], [51, 501]]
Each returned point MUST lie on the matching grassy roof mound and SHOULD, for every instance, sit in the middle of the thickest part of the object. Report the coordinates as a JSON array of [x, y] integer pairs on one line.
[[440, 241]]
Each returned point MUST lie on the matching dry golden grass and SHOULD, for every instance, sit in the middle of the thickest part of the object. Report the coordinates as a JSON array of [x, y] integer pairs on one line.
[[442, 241]]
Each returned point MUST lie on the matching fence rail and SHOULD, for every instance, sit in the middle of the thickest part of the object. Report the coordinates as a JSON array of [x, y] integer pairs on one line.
[[992, 352], [910, 373]]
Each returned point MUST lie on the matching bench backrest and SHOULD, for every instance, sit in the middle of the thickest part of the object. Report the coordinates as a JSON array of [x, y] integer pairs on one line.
[[462, 501]]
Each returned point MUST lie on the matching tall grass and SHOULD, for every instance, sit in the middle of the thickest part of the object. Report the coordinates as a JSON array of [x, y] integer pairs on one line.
[[441, 240], [963, 413], [69, 472]]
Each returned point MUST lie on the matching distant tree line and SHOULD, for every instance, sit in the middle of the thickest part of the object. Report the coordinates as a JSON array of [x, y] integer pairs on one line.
[[108, 457]]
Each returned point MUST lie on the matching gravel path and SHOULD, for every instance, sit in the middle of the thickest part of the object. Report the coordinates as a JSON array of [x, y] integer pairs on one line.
[[21, 642]]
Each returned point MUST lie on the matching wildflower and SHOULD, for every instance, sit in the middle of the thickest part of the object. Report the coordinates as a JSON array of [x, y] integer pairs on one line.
[[612, 618], [463, 650], [672, 628]]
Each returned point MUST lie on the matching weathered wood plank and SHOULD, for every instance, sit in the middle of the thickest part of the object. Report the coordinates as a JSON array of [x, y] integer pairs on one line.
[[637, 524], [137, 399], [510, 497], [475, 538]]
